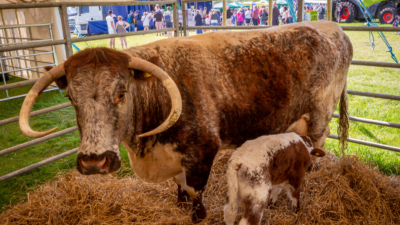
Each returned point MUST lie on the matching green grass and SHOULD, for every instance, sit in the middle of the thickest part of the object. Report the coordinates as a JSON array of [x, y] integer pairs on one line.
[[369, 79]]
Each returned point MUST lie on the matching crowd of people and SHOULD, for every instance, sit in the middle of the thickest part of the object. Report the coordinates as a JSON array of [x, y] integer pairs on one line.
[[244, 16], [160, 19]]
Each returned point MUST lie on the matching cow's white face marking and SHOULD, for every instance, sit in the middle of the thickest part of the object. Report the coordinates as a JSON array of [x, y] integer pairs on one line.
[[159, 164]]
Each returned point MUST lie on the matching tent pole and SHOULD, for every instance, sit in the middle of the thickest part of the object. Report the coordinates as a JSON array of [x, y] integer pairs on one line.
[[300, 11], [224, 12], [329, 10], [270, 9]]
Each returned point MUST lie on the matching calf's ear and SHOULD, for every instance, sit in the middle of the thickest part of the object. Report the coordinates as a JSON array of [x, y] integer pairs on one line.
[[138, 74], [61, 82], [317, 152]]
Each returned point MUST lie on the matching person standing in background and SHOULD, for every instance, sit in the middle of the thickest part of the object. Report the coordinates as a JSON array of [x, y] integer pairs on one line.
[[264, 17], [121, 28], [204, 16], [275, 15], [130, 21], [240, 19], [338, 12], [111, 28], [158, 16], [135, 20], [254, 15], [168, 18], [146, 18], [321, 12], [242, 11], [214, 18], [228, 16], [198, 21], [247, 17]]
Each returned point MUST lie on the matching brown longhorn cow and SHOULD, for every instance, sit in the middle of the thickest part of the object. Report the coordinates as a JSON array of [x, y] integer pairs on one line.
[[208, 92]]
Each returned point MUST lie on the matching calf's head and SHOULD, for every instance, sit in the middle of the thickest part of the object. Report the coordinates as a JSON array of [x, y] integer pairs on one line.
[[315, 153], [97, 82]]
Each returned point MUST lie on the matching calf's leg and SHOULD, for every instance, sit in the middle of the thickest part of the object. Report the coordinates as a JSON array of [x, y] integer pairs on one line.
[[274, 195], [254, 204]]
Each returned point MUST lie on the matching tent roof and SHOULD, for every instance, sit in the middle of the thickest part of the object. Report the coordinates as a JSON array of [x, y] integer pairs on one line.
[[232, 5]]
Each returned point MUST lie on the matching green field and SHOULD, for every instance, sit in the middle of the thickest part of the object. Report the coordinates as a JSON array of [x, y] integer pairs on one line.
[[369, 79]]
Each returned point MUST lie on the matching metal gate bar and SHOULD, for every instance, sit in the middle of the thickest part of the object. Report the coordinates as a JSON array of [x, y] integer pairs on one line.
[[375, 122], [367, 143], [36, 113], [37, 140], [39, 164]]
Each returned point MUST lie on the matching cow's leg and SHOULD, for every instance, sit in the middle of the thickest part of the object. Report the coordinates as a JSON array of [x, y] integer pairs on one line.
[[274, 195], [183, 195], [197, 169]]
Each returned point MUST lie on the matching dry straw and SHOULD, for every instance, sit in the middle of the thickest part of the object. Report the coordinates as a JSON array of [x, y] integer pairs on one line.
[[341, 192]]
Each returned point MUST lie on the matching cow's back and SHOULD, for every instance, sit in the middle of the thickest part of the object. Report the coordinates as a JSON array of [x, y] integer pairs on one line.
[[251, 83]]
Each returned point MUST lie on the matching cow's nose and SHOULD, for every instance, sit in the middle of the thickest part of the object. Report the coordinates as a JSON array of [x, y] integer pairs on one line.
[[90, 166], [107, 162]]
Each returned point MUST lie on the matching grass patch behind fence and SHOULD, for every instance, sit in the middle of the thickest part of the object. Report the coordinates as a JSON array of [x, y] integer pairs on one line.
[[369, 79]]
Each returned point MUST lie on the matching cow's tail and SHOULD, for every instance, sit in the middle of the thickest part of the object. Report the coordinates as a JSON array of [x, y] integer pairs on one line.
[[232, 200], [343, 129]]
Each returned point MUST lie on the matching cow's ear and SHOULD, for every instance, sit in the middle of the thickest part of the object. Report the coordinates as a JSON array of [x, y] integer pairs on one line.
[[61, 82], [317, 152], [142, 75]]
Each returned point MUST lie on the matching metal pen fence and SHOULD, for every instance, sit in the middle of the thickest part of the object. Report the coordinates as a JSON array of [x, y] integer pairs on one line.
[[6, 62], [354, 62], [67, 41]]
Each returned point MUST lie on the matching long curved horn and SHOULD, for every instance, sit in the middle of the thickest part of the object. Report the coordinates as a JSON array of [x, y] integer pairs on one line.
[[173, 91], [31, 98]]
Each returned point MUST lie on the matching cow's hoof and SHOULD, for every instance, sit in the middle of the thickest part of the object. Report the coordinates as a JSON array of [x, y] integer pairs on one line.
[[183, 197], [199, 214]]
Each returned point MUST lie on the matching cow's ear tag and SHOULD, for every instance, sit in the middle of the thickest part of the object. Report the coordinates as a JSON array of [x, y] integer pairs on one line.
[[155, 60]]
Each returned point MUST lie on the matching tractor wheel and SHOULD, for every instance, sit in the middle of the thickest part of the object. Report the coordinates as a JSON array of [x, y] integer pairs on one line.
[[349, 12], [387, 15]]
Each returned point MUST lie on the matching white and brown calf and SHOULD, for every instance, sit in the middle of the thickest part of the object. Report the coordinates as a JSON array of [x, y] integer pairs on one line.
[[260, 168]]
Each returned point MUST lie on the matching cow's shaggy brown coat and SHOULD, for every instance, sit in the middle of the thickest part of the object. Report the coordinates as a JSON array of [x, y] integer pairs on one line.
[[235, 86]]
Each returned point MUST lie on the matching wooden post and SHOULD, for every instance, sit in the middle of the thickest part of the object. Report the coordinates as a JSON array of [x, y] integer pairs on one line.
[[65, 27], [175, 19], [184, 18], [270, 9], [300, 11], [224, 12], [329, 10]]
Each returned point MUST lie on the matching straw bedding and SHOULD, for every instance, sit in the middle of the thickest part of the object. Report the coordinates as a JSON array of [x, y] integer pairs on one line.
[[341, 192]]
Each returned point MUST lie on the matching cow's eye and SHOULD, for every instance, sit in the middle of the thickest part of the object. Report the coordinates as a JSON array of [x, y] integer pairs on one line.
[[120, 97]]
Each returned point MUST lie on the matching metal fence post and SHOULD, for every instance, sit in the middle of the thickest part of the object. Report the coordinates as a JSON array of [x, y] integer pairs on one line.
[[65, 27], [52, 47]]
